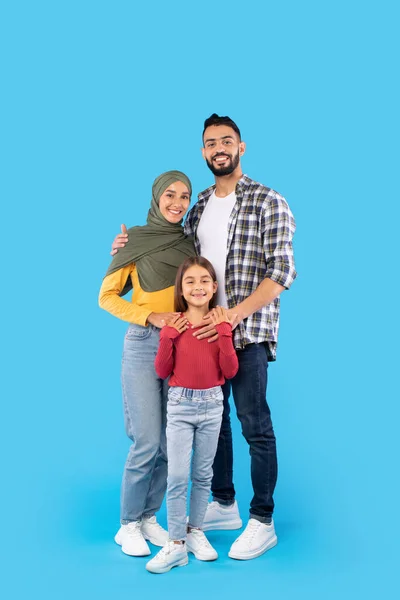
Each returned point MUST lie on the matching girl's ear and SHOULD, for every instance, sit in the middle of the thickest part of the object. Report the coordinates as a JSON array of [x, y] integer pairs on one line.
[[215, 286]]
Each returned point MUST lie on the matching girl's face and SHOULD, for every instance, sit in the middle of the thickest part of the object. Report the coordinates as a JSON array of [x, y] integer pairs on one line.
[[174, 202], [197, 286]]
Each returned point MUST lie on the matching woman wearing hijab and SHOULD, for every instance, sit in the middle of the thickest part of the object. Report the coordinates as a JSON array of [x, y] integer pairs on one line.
[[148, 263]]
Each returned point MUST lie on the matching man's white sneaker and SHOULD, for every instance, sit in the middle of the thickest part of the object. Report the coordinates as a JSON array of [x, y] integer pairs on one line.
[[131, 540], [153, 531], [256, 539], [198, 544], [171, 555], [222, 517]]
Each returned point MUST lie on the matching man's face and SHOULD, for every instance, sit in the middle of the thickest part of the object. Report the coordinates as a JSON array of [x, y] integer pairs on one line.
[[222, 149]]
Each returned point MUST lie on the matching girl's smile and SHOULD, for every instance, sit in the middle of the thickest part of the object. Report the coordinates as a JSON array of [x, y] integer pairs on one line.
[[198, 287]]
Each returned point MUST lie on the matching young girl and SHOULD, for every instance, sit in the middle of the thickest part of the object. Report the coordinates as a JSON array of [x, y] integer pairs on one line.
[[197, 369]]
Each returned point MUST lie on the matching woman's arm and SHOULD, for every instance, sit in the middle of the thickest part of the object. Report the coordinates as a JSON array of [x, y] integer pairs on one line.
[[111, 301]]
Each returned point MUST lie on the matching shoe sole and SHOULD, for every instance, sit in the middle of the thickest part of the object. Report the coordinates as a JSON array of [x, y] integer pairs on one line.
[[118, 541], [198, 556], [249, 556], [155, 541], [159, 570], [223, 525]]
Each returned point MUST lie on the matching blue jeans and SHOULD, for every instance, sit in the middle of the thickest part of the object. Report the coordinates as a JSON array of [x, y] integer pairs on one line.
[[249, 387], [145, 396], [193, 423]]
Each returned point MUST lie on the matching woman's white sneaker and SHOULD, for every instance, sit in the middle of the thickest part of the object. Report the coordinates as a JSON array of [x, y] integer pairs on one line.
[[256, 539], [222, 517], [171, 555], [131, 540], [198, 544], [153, 531]]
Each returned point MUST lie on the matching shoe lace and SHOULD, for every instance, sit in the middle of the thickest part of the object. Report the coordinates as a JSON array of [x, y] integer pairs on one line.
[[201, 538], [167, 549], [133, 528], [251, 529]]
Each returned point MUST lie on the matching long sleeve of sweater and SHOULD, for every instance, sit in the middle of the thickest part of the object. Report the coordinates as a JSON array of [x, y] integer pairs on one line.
[[164, 362], [228, 360]]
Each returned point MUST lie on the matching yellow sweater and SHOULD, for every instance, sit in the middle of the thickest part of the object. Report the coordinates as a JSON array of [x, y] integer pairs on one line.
[[142, 304]]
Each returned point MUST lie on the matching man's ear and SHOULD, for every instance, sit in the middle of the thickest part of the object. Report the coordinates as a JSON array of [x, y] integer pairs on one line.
[[242, 148]]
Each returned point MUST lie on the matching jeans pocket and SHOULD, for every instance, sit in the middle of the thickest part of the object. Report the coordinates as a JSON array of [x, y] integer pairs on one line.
[[137, 332], [174, 397], [218, 398]]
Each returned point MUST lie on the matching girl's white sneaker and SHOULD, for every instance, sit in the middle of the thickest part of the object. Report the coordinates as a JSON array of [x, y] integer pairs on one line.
[[198, 544], [171, 555], [131, 540]]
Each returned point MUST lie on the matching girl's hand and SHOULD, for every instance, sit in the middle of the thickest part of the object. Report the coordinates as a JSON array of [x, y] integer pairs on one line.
[[159, 319], [220, 315], [177, 322]]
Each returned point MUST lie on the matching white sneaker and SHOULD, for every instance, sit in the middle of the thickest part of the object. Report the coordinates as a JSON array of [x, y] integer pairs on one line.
[[171, 555], [198, 544], [222, 517], [153, 531], [131, 540], [256, 539]]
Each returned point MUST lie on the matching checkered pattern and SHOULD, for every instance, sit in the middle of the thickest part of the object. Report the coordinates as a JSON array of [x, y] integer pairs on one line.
[[260, 232]]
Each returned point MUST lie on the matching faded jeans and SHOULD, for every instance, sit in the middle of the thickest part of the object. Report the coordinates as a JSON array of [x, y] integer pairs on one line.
[[145, 396], [193, 423]]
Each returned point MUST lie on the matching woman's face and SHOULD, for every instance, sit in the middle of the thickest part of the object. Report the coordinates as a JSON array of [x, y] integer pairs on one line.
[[174, 202]]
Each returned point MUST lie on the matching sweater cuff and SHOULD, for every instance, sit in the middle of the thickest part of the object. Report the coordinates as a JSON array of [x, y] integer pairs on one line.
[[224, 329]]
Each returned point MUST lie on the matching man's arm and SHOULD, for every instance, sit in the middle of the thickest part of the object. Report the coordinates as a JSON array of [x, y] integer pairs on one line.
[[266, 293], [277, 226]]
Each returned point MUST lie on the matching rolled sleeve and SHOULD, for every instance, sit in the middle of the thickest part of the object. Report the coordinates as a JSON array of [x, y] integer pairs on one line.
[[278, 227]]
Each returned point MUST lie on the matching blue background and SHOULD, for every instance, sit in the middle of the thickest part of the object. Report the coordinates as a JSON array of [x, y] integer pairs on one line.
[[99, 98]]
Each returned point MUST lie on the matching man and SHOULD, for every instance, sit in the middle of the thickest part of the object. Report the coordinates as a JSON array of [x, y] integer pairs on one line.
[[245, 230]]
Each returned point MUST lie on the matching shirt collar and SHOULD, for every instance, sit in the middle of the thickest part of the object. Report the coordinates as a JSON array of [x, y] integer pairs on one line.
[[243, 182]]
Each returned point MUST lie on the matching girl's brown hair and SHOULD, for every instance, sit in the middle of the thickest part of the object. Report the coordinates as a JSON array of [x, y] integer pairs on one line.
[[179, 301]]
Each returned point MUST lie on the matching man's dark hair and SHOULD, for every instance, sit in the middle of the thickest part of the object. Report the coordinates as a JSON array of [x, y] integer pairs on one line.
[[217, 120]]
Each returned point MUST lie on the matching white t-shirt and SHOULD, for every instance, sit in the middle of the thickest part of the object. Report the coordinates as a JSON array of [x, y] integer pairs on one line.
[[212, 233]]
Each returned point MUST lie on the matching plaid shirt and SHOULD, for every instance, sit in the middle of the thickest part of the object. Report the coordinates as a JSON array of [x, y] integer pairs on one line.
[[260, 232]]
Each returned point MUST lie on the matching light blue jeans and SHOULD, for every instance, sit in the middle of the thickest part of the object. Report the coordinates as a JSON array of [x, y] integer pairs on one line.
[[145, 397], [193, 423]]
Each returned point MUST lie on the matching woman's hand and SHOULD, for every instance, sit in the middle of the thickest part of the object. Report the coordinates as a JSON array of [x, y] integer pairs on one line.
[[219, 314], [179, 323], [160, 319], [119, 241]]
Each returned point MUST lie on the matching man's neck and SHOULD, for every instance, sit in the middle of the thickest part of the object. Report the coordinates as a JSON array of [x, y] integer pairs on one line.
[[227, 184]]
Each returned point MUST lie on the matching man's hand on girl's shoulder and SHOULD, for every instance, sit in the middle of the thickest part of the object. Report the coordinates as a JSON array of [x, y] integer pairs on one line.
[[219, 314]]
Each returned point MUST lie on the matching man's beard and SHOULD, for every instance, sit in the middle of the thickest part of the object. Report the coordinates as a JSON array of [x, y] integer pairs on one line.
[[228, 169]]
